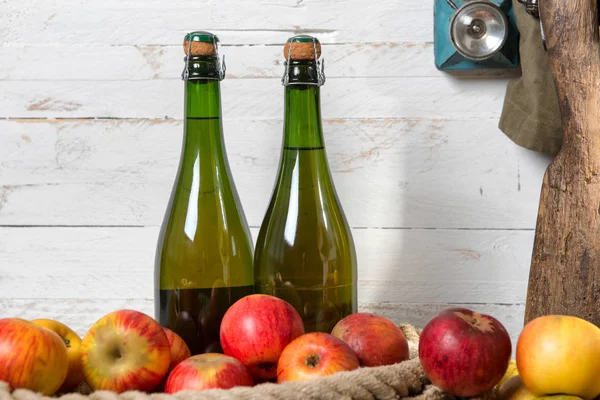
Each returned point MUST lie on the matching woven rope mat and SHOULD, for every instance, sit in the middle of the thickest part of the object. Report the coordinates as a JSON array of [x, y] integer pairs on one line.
[[405, 380]]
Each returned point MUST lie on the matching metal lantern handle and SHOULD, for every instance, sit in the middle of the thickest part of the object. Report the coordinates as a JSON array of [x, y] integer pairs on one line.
[[532, 7]]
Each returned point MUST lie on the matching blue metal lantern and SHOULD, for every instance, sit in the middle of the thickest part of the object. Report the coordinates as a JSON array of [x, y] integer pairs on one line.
[[475, 34]]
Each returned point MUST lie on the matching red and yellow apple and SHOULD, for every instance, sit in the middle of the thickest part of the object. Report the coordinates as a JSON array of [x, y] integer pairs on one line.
[[560, 354], [179, 350], [313, 355], [256, 329], [208, 371], [125, 350], [375, 339], [463, 352], [31, 357], [73, 344]]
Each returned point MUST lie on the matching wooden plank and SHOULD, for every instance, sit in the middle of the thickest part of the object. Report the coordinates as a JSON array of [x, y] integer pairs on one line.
[[388, 172], [71, 62], [340, 98], [397, 266], [236, 22], [80, 314], [442, 266], [166, 62]]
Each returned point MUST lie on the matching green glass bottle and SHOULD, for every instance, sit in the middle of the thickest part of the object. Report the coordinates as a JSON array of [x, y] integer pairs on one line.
[[204, 258], [305, 252]]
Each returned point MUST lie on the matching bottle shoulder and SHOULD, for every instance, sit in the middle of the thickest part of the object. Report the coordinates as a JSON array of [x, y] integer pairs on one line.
[[200, 242], [204, 213], [305, 217], [211, 211]]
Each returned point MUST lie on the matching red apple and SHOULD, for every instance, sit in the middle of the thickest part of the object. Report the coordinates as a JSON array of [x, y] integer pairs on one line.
[[179, 350], [256, 329], [32, 357], [208, 371], [375, 339], [125, 350], [463, 352], [313, 355]]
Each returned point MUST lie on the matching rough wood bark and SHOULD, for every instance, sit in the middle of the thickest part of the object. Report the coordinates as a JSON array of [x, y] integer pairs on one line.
[[565, 268]]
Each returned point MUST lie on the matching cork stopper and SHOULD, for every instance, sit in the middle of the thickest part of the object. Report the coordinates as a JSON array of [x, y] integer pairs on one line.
[[303, 48], [202, 43]]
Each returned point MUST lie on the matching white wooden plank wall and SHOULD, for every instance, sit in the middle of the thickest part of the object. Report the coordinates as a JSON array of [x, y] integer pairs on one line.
[[442, 204]]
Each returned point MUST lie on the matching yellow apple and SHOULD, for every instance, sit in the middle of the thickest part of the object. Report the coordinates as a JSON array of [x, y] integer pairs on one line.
[[510, 372], [513, 389], [73, 343], [560, 354]]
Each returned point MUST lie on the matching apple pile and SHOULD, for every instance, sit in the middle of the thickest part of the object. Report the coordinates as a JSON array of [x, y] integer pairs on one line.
[[262, 338], [266, 334], [463, 352]]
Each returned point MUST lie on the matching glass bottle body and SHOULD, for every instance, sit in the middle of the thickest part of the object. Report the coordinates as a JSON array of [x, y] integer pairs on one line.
[[305, 252], [204, 260]]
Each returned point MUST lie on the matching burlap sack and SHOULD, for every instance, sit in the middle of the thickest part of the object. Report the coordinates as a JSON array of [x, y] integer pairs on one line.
[[531, 115]]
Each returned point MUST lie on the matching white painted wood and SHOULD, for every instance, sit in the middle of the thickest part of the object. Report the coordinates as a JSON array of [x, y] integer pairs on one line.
[[78, 274], [235, 21], [79, 62], [112, 263], [389, 172], [80, 314], [410, 148], [341, 98]]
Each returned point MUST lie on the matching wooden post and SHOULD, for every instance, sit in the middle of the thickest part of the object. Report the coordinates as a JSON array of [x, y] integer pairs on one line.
[[565, 267]]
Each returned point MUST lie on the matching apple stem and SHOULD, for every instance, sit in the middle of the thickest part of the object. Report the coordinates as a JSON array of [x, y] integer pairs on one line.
[[266, 366]]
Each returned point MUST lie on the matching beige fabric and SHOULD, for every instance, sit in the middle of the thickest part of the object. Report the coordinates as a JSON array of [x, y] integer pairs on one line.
[[405, 380], [531, 114]]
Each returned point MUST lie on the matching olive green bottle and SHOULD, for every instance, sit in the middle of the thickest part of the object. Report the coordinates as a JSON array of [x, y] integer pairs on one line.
[[305, 252], [204, 255]]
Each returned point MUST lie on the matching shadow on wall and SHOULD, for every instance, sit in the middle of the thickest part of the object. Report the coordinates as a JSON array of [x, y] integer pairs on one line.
[[455, 204]]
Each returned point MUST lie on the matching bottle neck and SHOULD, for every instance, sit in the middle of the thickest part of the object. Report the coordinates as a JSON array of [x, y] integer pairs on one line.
[[202, 88], [203, 126], [303, 163], [203, 152], [202, 99], [302, 123]]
